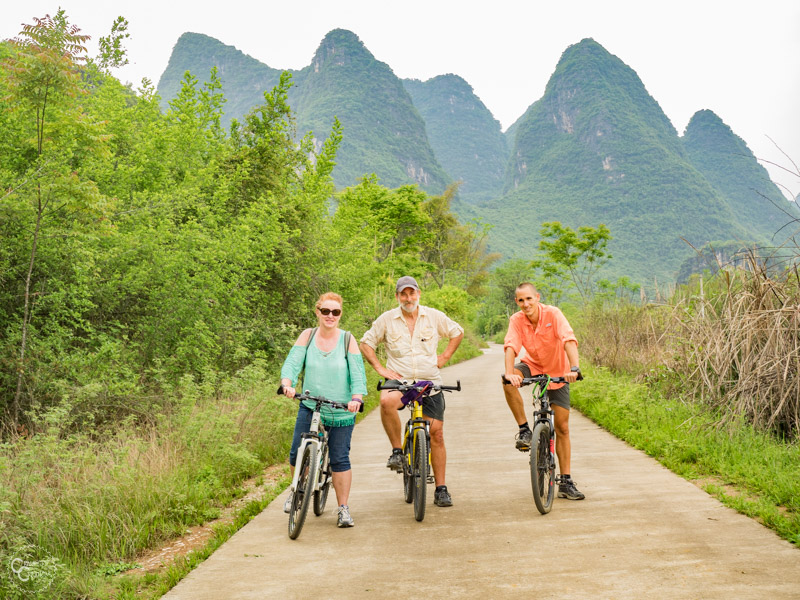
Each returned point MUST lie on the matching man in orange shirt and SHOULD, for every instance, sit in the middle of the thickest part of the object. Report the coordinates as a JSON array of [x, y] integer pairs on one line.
[[551, 348]]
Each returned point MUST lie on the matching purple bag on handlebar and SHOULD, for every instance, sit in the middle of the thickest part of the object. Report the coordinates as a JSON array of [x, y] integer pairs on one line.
[[416, 393]]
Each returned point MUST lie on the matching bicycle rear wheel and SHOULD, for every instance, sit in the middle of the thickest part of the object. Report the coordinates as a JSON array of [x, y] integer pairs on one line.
[[305, 487], [321, 495], [420, 472], [543, 468]]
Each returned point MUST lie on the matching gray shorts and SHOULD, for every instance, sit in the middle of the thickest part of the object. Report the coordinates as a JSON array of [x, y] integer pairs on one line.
[[559, 397], [432, 406]]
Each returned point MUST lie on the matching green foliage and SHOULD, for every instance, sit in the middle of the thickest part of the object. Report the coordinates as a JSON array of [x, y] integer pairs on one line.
[[499, 303], [580, 255], [455, 253], [112, 53]]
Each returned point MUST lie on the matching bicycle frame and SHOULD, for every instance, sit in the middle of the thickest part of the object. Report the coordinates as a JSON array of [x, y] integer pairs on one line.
[[545, 415], [318, 435], [416, 421]]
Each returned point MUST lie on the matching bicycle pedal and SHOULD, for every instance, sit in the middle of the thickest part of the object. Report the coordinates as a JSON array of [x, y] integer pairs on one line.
[[429, 478]]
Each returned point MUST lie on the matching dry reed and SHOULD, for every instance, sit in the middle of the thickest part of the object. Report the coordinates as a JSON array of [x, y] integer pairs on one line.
[[741, 349]]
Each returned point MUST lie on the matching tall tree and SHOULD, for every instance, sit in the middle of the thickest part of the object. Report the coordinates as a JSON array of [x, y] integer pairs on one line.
[[43, 82]]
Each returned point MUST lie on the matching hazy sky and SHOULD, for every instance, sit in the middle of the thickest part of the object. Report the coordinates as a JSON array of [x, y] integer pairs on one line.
[[740, 59]]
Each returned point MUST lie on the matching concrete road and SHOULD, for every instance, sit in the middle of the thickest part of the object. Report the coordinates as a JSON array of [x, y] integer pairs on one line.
[[641, 531]]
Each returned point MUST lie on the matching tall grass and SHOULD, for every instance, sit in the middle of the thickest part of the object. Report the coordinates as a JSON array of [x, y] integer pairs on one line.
[[89, 499], [730, 343]]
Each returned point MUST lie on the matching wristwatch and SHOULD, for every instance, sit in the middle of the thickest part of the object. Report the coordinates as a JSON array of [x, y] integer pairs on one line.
[[575, 370]]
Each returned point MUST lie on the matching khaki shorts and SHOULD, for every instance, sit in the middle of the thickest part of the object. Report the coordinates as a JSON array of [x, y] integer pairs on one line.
[[559, 397]]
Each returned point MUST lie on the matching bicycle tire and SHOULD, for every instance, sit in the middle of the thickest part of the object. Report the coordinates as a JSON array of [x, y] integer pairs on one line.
[[408, 479], [420, 472], [543, 468], [321, 495], [302, 497]]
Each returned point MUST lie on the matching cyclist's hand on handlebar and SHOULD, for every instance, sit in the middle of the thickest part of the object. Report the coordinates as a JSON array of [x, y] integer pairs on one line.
[[289, 392], [514, 379], [354, 405]]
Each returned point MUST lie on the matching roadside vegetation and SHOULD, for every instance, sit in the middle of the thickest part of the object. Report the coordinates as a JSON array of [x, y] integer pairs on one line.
[[708, 383]]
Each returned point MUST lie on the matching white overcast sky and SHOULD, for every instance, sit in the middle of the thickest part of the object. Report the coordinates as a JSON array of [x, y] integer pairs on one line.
[[738, 58]]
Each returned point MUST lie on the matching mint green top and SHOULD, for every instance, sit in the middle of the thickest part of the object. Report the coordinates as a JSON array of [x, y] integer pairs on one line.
[[337, 375]]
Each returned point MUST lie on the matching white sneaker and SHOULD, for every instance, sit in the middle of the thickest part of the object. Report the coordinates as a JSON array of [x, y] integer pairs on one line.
[[287, 506], [345, 520]]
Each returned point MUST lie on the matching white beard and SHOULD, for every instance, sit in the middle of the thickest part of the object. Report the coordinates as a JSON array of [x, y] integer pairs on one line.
[[409, 310]]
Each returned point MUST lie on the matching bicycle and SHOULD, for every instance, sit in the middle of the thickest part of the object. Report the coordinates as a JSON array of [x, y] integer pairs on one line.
[[543, 455], [312, 474], [416, 439]]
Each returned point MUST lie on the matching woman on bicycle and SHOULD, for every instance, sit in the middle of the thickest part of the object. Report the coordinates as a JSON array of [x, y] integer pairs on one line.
[[333, 371]]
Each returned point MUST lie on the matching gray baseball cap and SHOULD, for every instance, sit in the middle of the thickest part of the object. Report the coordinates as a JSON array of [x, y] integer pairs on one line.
[[405, 282]]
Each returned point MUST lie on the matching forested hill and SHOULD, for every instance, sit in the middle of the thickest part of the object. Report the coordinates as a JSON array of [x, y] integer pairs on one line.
[[729, 165], [244, 77], [382, 131], [597, 148], [467, 139]]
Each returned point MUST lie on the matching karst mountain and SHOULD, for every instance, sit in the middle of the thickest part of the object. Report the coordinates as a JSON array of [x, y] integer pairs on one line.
[[595, 148]]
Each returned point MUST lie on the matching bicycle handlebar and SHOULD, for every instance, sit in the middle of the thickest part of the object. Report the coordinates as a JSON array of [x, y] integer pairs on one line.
[[540, 379], [319, 400], [393, 384]]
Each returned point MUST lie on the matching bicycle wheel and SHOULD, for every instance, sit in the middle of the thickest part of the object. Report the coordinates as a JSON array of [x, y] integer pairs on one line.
[[408, 479], [305, 486], [420, 472], [543, 468], [321, 495]]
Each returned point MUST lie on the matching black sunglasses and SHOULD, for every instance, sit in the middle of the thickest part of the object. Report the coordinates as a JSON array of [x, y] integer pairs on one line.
[[327, 311]]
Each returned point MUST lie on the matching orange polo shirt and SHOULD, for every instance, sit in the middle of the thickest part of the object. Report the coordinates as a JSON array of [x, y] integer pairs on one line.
[[544, 345]]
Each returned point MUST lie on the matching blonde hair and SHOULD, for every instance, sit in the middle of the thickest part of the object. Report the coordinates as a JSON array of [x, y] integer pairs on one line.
[[329, 296]]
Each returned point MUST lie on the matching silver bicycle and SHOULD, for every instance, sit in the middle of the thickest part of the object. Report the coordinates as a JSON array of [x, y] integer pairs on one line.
[[312, 474]]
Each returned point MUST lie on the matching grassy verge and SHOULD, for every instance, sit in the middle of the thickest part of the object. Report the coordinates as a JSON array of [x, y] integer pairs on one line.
[[747, 470], [79, 507]]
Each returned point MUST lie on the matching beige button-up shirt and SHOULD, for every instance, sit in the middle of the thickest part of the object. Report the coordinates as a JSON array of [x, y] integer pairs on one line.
[[413, 356]]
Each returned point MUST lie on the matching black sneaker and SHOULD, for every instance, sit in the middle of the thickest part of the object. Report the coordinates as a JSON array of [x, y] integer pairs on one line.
[[524, 438], [567, 489], [441, 497], [395, 462]]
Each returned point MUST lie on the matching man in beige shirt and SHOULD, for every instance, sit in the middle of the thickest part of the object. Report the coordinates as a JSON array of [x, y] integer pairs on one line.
[[411, 333]]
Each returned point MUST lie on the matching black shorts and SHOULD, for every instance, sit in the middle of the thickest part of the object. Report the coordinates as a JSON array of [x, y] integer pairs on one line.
[[559, 397], [432, 406]]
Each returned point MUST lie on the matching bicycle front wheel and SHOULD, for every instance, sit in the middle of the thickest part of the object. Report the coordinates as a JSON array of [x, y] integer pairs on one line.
[[543, 468], [420, 472], [408, 467], [305, 490], [321, 495]]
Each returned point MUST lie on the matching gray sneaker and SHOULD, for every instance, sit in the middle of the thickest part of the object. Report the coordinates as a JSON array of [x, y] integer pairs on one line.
[[395, 462], [567, 489], [345, 520], [441, 497], [287, 506], [524, 438]]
